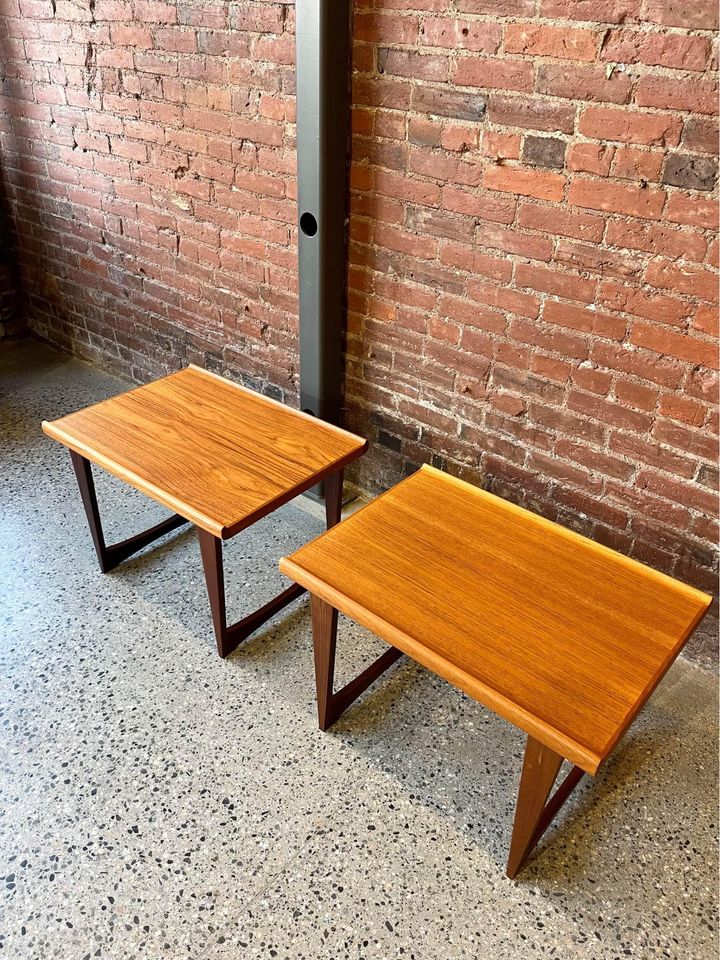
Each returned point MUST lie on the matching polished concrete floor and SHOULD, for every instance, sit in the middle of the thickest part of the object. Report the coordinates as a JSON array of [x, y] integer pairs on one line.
[[157, 802]]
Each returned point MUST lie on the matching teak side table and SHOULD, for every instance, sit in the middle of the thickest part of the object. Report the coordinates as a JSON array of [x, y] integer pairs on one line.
[[218, 455], [559, 635]]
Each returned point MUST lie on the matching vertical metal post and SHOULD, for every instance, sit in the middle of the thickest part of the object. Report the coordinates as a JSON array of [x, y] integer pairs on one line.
[[323, 77]]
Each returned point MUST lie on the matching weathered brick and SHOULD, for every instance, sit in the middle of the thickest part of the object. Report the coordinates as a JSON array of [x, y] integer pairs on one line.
[[693, 173], [701, 133], [694, 94], [532, 114], [698, 15], [494, 74], [545, 40], [444, 102], [591, 158], [544, 151], [636, 163], [614, 198], [676, 345], [583, 83], [656, 49], [526, 183], [455, 33], [631, 126], [604, 11]]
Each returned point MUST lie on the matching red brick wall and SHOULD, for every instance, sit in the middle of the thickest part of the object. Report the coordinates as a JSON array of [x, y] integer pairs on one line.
[[150, 158], [533, 266]]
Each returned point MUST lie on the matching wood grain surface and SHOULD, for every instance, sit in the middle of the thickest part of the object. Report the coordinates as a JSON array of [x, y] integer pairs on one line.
[[211, 450], [560, 635]]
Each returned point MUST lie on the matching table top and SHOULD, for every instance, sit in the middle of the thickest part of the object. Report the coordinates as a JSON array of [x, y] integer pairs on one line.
[[560, 635], [218, 454]]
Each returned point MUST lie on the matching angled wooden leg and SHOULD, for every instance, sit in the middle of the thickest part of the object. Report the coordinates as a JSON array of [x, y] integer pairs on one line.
[[86, 483], [533, 812], [324, 630], [333, 498], [332, 705], [227, 636], [110, 555], [211, 553]]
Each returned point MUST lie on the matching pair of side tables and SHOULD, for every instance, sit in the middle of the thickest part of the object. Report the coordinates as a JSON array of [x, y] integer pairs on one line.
[[559, 635]]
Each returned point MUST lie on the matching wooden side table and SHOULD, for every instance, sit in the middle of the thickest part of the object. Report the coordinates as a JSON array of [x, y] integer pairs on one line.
[[218, 455], [559, 635]]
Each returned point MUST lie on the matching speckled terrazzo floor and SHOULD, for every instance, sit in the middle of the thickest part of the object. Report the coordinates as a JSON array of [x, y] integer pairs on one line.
[[157, 802]]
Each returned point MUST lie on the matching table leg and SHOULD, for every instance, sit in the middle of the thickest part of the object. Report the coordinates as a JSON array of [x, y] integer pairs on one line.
[[229, 636], [110, 555], [333, 498], [332, 705], [533, 812]]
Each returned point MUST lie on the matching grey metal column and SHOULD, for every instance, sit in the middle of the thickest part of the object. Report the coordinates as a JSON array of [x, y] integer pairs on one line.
[[323, 80]]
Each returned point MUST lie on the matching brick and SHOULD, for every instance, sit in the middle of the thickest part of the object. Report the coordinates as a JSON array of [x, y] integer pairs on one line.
[[688, 279], [675, 345], [636, 395], [504, 298], [564, 422], [560, 283], [585, 320], [706, 319], [513, 241], [494, 74], [544, 151], [656, 49], [500, 146], [565, 223], [701, 134], [655, 238], [683, 409], [131, 36], [486, 206], [532, 114], [677, 491], [695, 442], [594, 259], [635, 163], [694, 95], [497, 8], [651, 454], [583, 83], [411, 63], [386, 28], [658, 307], [698, 15], [444, 102], [527, 183], [690, 172], [692, 210], [455, 33], [605, 411], [631, 126], [590, 158], [551, 340], [544, 40], [614, 198], [153, 11], [603, 11]]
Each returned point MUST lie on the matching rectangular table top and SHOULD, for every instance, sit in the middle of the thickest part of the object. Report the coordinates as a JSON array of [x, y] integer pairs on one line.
[[218, 454], [560, 635]]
